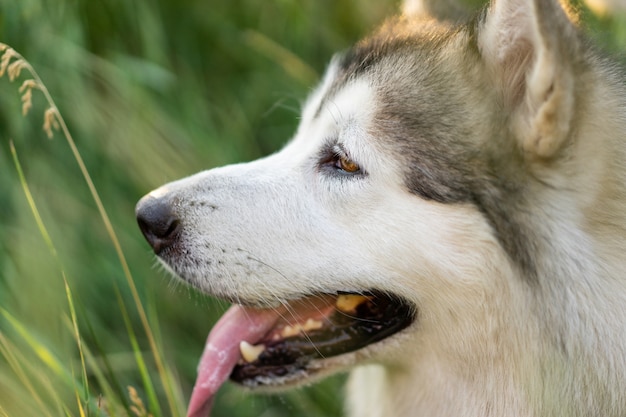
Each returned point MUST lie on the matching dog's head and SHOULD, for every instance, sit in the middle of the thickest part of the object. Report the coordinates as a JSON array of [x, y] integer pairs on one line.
[[394, 211]]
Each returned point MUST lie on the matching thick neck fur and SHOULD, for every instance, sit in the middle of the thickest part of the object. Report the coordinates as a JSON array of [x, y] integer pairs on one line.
[[554, 347]]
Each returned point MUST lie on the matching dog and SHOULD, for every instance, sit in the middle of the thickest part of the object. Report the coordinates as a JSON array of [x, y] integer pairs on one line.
[[448, 224]]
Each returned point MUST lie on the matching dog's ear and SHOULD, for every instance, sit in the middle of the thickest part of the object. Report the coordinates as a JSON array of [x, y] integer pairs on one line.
[[530, 45], [439, 9]]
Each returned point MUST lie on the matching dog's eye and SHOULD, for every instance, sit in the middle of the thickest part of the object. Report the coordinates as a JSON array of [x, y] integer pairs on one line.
[[347, 165], [335, 159]]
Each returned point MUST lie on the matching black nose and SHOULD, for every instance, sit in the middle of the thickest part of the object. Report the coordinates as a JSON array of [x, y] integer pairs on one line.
[[157, 222]]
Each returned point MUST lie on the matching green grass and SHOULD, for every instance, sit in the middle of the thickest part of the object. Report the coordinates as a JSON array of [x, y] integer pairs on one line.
[[149, 91]]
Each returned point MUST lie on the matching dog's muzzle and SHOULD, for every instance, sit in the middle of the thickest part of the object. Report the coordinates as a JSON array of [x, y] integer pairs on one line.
[[157, 222]]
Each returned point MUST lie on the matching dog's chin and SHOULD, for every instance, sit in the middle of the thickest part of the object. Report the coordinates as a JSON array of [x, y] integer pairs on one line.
[[313, 336]]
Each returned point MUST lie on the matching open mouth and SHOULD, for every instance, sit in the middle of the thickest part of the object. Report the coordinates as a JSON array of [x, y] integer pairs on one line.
[[333, 326], [274, 347]]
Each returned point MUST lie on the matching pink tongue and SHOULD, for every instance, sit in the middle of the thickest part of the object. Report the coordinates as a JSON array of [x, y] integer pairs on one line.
[[221, 352]]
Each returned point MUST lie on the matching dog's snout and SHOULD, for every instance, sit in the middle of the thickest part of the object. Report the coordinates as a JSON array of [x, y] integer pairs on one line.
[[157, 222]]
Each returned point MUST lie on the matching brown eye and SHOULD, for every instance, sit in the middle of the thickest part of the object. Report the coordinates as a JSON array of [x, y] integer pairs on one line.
[[335, 160], [347, 165]]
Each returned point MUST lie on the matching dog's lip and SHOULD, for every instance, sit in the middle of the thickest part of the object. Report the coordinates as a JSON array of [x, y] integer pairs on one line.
[[281, 364]]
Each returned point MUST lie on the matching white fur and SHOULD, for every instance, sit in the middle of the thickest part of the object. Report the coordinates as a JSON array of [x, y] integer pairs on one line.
[[485, 343]]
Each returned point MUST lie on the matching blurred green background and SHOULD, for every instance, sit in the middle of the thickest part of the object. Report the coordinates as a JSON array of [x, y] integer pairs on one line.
[[152, 91]]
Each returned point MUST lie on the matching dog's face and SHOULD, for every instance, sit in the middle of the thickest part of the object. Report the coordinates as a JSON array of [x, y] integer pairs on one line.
[[383, 166], [379, 228], [346, 195], [350, 206]]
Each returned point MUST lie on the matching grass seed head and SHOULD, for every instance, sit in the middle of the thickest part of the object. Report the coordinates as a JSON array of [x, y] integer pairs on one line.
[[9, 53], [27, 95], [27, 101], [28, 84], [137, 408], [50, 121], [15, 69]]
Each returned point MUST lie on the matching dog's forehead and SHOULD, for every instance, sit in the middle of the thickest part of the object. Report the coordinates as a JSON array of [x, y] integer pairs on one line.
[[391, 56]]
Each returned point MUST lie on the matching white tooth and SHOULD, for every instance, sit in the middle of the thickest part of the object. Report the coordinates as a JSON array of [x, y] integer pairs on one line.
[[289, 331], [312, 324], [249, 352], [348, 302], [296, 329]]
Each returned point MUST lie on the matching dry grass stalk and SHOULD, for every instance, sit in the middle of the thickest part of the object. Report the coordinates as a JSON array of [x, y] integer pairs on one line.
[[137, 408], [13, 63]]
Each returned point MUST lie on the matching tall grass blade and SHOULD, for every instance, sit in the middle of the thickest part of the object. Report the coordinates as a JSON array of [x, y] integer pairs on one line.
[[141, 364], [291, 63], [10, 353], [79, 344], [31, 201], [111, 377], [40, 350], [105, 387], [48, 240], [79, 404]]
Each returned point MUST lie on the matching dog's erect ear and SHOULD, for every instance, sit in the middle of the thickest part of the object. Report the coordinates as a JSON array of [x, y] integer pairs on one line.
[[529, 45], [439, 9]]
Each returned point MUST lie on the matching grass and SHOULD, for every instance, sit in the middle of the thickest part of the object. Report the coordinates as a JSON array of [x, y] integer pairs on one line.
[[14, 64], [150, 91], [77, 326]]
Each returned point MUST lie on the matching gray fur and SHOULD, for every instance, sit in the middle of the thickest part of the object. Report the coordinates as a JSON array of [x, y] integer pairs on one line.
[[492, 198]]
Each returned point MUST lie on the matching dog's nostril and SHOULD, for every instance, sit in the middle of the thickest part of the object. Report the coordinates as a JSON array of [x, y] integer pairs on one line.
[[157, 222]]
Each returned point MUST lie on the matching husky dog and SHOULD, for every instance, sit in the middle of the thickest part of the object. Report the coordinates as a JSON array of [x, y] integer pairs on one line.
[[448, 223]]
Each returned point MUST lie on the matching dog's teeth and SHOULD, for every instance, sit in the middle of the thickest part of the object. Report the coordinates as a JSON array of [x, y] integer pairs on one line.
[[349, 302], [249, 352], [289, 331], [296, 329], [312, 324]]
